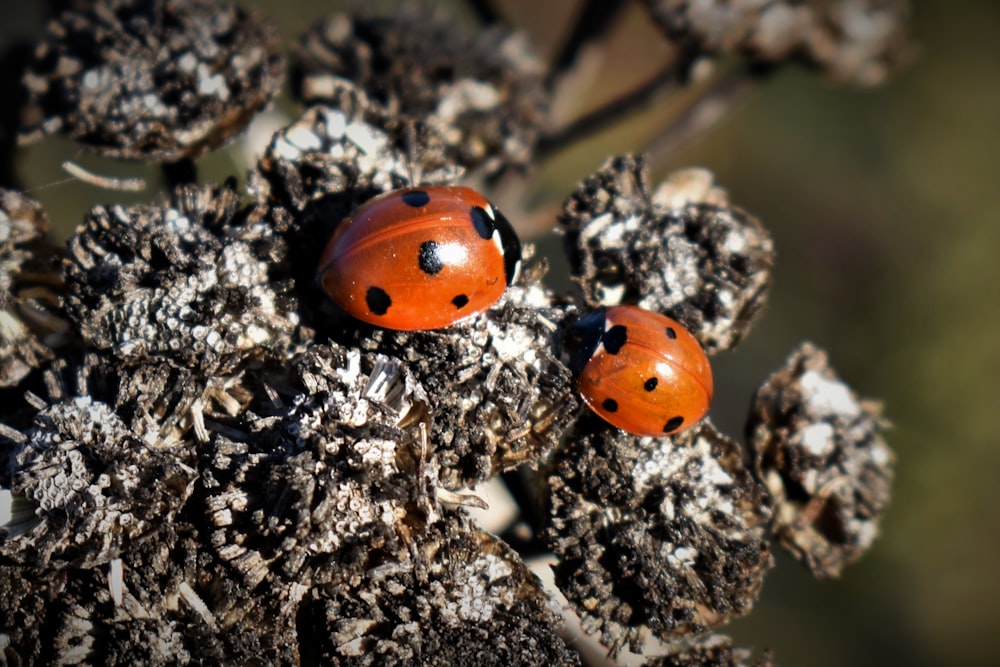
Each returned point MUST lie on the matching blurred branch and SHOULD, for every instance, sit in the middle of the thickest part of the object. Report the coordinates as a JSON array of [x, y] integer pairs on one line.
[[603, 117], [704, 111], [485, 11], [592, 22]]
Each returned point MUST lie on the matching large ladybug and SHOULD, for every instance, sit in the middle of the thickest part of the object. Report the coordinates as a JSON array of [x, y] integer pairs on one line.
[[421, 258], [639, 370]]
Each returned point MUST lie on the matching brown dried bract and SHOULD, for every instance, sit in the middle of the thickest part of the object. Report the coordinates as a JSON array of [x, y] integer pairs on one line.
[[156, 80], [819, 451]]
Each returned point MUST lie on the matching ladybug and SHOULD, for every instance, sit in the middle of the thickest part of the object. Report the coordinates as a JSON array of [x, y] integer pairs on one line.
[[420, 258], [641, 371]]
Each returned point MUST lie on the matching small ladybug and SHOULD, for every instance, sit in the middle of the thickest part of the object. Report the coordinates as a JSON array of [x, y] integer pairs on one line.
[[420, 258], [639, 370]]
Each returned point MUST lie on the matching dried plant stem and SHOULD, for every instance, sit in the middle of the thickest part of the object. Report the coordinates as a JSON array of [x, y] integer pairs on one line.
[[716, 99], [485, 11], [603, 117], [592, 22]]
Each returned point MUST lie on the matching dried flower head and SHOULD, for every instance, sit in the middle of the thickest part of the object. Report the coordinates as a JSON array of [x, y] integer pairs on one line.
[[819, 451], [681, 250], [480, 92], [660, 535], [93, 481], [187, 284], [854, 41], [30, 320], [156, 80]]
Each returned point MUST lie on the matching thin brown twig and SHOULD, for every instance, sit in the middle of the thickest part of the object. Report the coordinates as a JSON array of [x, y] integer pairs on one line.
[[607, 115], [716, 100], [591, 22]]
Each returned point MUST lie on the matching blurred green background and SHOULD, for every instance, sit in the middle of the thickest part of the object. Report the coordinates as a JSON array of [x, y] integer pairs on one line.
[[885, 209]]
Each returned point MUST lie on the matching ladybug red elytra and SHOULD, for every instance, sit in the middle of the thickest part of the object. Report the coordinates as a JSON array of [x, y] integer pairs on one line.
[[641, 371], [420, 258]]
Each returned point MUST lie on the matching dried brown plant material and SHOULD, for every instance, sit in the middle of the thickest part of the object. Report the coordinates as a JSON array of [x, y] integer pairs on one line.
[[337, 155], [657, 535], [223, 468], [681, 250], [853, 41], [156, 80], [709, 651], [480, 91], [31, 322], [461, 597], [500, 396], [94, 486], [178, 283], [819, 450]]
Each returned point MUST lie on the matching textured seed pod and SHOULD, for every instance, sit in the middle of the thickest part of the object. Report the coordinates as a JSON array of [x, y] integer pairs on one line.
[[94, 487], [481, 92], [682, 250], [462, 598], [31, 322], [351, 144], [327, 480], [854, 41], [151, 80], [186, 283], [819, 451], [661, 533], [500, 396]]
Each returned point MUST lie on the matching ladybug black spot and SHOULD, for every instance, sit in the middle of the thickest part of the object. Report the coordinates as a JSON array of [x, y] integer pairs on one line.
[[482, 222], [416, 198], [671, 334], [650, 384], [610, 404], [378, 301], [430, 258], [460, 301], [614, 338], [673, 424]]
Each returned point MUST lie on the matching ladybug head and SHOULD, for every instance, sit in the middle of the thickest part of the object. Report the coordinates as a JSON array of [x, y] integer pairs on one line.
[[582, 339]]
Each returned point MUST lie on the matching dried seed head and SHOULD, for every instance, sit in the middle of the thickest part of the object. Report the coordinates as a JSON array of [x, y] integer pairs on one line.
[[819, 451], [682, 251], [351, 148], [499, 395], [31, 322], [94, 485], [150, 80], [480, 92], [181, 283], [854, 41], [666, 533], [326, 479], [460, 597]]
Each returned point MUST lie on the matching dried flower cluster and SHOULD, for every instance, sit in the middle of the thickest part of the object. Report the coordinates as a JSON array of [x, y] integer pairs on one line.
[[202, 460]]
